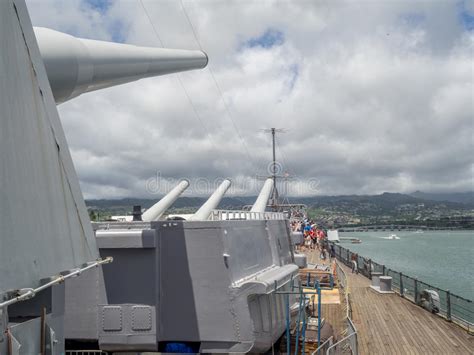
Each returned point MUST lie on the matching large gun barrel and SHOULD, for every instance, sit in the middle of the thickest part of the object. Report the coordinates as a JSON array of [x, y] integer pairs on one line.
[[76, 66], [158, 209], [205, 210], [261, 203]]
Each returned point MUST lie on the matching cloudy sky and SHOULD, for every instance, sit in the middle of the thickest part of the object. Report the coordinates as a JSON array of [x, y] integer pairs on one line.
[[373, 96]]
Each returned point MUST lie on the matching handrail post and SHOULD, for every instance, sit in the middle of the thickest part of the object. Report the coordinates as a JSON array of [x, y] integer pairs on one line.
[[319, 315], [401, 284], [416, 290], [288, 344], [383, 270], [370, 269], [448, 305]]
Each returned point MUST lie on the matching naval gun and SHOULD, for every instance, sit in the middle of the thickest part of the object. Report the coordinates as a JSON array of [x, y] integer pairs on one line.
[[205, 210], [47, 240], [158, 209], [261, 203], [75, 65]]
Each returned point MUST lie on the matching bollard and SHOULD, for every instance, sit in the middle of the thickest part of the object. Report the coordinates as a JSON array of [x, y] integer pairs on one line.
[[448, 305], [401, 284]]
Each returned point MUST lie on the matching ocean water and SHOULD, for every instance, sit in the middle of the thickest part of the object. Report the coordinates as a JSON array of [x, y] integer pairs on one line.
[[444, 259]]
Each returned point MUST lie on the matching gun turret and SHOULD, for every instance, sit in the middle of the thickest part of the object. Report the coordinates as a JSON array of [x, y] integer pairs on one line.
[[205, 210], [158, 209], [76, 66], [261, 203]]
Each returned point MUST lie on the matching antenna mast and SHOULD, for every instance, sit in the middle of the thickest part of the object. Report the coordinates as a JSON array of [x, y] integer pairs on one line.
[[274, 170]]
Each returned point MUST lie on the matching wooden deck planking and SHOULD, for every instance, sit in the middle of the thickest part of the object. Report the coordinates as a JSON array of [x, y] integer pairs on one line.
[[389, 324], [334, 315]]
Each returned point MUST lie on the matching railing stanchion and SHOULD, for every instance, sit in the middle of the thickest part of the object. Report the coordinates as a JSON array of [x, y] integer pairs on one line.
[[370, 269], [319, 314], [401, 284], [448, 305], [416, 290], [288, 344]]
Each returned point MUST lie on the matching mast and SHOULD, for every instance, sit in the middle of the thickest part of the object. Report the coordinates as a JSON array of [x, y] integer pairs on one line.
[[275, 190], [274, 169]]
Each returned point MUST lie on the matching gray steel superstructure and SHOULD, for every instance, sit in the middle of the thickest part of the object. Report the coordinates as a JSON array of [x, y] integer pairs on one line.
[[206, 281]]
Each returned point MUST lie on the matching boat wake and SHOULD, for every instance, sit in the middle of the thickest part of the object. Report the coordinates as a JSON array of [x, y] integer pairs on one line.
[[391, 237]]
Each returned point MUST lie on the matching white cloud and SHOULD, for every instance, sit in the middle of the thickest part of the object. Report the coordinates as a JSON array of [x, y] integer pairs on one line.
[[374, 96]]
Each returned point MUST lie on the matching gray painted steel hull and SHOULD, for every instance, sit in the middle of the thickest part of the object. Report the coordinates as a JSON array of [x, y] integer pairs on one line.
[[44, 225]]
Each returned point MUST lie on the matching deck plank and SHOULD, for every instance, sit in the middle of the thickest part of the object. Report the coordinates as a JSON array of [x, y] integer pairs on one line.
[[390, 324]]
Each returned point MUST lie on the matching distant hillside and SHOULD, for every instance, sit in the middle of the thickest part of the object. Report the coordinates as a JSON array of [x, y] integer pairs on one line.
[[459, 197], [385, 203], [182, 202]]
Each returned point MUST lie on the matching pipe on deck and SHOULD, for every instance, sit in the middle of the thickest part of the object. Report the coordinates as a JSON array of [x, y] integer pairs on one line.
[[205, 210], [261, 203], [158, 209], [75, 65]]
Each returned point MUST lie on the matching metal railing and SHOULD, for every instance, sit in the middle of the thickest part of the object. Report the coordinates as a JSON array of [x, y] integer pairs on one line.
[[348, 344], [27, 293], [324, 347], [227, 215], [454, 308]]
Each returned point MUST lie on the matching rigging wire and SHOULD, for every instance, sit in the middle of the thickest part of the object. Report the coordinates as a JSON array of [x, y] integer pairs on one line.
[[221, 93], [196, 113], [219, 90], [151, 23], [285, 178], [285, 161]]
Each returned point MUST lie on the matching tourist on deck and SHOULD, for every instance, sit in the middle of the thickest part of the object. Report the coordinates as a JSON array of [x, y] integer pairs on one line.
[[312, 234], [354, 263], [332, 253]]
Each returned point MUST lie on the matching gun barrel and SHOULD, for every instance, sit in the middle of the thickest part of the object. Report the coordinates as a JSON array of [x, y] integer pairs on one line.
[[76, 66], [158, 209], [261, 203], [205, 210]]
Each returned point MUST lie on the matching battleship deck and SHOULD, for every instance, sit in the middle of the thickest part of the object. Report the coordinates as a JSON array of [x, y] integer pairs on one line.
[[389, 324]]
